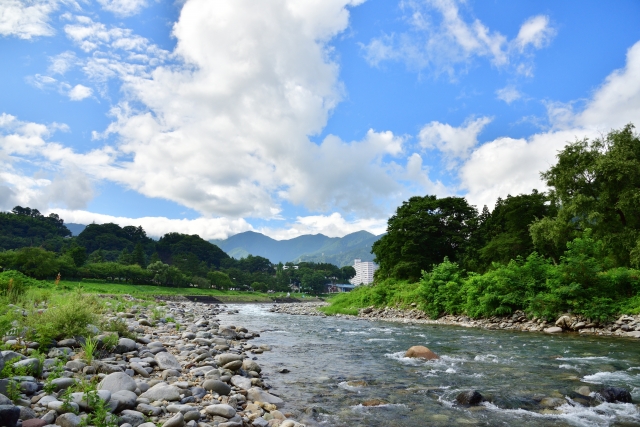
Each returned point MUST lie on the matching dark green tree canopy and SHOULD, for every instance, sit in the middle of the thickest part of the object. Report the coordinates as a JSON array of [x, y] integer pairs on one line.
[[423, 232], [174, 247], [112, 237], [24, 227]]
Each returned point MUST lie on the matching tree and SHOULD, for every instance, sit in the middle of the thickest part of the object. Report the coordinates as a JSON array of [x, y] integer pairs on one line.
[[596, 184], [219, 280], [423, 232], [36, 262]]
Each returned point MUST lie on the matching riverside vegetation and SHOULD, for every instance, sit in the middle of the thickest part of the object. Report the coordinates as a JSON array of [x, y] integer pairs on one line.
[[574, 250], [72, 360]]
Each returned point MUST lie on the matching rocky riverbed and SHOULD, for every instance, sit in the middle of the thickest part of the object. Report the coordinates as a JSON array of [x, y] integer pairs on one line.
[[185, 370], [624, 326]]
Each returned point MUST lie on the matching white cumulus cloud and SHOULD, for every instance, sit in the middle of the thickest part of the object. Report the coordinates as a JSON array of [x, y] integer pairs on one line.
[[80, 92], [508, 94], [454, 142], [26, 18], [123, 7]]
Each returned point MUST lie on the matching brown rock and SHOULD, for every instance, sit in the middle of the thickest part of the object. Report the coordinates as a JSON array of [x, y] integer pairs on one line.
[[373, 402], [34, 422], [421, 352]]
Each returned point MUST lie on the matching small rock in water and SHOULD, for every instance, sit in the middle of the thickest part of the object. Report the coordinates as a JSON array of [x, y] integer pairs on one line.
[[553, 330], [616, 394], [422, 352], [374, 402], [470, 398]]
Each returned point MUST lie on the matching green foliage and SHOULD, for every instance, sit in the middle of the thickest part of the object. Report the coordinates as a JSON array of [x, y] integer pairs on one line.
[[219, 280], [67, 316], [424, 231], [89, 347], [54, 373], [14, 284], [24, 227]]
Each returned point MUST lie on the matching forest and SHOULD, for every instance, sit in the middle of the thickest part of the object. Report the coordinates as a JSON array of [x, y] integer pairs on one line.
[[574, 248], [42, 247]]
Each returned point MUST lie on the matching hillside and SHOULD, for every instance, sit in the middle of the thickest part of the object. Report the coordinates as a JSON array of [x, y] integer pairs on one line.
[[340, 251]]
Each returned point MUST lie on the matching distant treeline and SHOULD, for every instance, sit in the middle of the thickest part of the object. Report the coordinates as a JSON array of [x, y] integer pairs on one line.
[[41, 247]]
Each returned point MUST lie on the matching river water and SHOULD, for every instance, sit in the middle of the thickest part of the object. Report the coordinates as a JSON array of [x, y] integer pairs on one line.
[[337, 364]]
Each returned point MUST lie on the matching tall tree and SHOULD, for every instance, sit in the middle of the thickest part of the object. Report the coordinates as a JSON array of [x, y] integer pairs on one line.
[[423, 232]]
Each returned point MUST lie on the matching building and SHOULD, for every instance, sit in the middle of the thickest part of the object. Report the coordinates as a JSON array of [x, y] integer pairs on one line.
[[364, 272]]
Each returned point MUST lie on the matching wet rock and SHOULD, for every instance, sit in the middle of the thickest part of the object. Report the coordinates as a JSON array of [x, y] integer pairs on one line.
[[419, 351], [259, 395], [552, 402], [217, 386], [167, 361], [584, 390], [469, 398], [373, 402], [564, 322], [553, 330], [226, 358], [9, 415], [116, 382], [615, 394]]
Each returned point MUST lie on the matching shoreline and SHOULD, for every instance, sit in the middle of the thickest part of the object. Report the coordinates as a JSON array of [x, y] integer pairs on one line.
[[185, 369], [626, 326]]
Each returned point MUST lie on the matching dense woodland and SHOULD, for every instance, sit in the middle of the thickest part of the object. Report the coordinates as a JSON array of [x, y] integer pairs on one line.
[[41, 247], [575, 248]]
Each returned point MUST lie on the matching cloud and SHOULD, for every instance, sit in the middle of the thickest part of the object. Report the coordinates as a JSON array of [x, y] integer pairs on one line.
[[440, 38], [62, 62], [454, 142], [508, 94], [123, 7], [333, 225], [80, 92], [512, 166], [26, 19], [207, 228], [536, 32]]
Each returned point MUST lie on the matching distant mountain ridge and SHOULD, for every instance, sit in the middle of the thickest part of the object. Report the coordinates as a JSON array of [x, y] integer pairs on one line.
[[340, 251]]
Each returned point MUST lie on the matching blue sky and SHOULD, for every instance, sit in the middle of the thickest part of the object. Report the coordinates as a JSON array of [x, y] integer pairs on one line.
[[296, 117]]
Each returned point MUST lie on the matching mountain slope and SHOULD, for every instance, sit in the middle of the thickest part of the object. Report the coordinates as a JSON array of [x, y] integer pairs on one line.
[[317, 247]]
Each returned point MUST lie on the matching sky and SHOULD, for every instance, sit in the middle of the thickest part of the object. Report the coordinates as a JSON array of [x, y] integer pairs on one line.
[[291, 117]]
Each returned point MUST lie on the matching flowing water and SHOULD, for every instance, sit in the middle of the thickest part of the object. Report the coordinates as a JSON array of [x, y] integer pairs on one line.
[[336, 365]]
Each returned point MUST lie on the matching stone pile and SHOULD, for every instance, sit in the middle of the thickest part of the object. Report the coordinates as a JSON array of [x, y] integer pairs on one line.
[[190, 372]]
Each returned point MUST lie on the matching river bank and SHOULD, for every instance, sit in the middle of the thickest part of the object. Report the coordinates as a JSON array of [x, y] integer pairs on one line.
[[625, 326], [180, 368]]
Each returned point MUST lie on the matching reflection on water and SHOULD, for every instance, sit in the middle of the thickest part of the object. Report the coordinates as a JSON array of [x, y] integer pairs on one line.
[[339, 367]]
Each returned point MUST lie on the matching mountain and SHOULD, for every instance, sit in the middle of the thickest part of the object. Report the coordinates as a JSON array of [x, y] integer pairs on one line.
[[340, 251], [75, 229]]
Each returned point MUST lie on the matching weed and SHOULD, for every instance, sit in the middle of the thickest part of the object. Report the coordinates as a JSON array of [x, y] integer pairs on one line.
[[157, 313], [88, 348], [100, 415], [118, 326], [66, 399], [55, 373], [110, 341]]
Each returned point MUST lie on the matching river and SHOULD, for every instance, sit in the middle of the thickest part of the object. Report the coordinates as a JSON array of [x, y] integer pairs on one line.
[[337, 364]]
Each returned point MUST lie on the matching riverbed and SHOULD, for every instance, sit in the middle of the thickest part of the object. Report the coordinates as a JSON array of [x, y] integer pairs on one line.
[[339, 366]]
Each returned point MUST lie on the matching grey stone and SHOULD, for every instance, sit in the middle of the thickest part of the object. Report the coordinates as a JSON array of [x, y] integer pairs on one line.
[[615, 394], [34, 422], [125, 345], [116, 382], [9, 415], [124, 399], [260, 422], [162, 391], [28, 387], [192, 416], [257, 394], [4, 400], [212, 374], [32, 364], [553, 330], [469, 398], [250, 365], [241, 382], [26, 413], [105, 368], [69, 342], [80, 398], [221, 410], [225, 358], [139, 369], [61, 352], [233, 366], [61, 408], [176, 421], [179, 408], [149, 410], [217, 386], [46, 400], [8, 355], [170, 373], [147, 425], [68, 420], [49, 417], [167, 361], [62, 383], [134, 418]]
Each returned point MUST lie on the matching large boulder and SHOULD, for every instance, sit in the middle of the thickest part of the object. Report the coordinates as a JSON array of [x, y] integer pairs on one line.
[[565, 321], [116, 382], [615, 394], [421, 352], [469, 398]]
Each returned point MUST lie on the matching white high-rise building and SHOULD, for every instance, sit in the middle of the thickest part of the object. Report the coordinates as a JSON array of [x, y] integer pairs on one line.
[[364, 272]]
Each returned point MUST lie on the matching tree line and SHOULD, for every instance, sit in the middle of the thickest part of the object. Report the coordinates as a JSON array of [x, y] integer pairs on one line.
[[573, 248], [42, 247]]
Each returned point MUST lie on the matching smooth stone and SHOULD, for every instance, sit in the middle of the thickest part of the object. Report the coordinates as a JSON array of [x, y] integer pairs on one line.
[[553, 330], [116, 382], [79, 398], [260, 422], [470, 398], [616, 394], [125, 345], [179, 408], [9, 415], [176, 421], [221, 410], [147, 425], [241, 382], [124, 399], [192, 416], [149, 410], [256, 394], [233, 366], [250, 365], [59, 407], [167, 360], [46, 400], [32, 364], [62, 383], [421, 352], [4, 400], [224, 358], [28, 387], [137, 368], [26, 413], [105, 368], [34, 422], [218, 386], [162, 391], [134, 418], [68, 420]]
